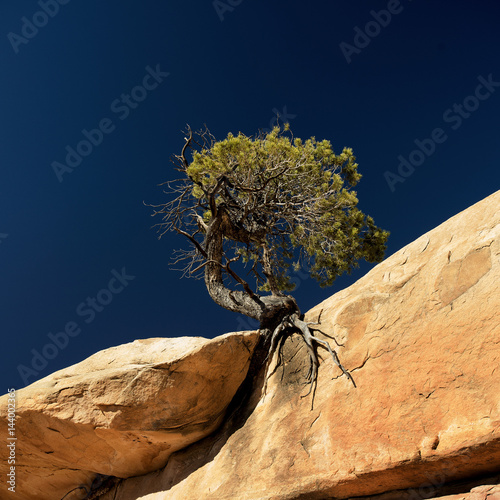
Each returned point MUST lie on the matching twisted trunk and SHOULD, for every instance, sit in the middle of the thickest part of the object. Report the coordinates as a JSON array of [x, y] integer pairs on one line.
[[268, 310]]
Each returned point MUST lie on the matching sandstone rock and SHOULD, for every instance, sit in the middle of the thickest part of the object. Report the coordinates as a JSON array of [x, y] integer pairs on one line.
[[421, 336], [470, 490], [487, 492], [123, 411]]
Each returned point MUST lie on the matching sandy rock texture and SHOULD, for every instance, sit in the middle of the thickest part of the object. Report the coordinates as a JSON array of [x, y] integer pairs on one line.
[[421, 337], [485, 488], [123, 411]]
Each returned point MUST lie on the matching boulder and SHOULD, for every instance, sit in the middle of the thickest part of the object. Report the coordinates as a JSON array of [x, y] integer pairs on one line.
[[420, 334], [123, 411]]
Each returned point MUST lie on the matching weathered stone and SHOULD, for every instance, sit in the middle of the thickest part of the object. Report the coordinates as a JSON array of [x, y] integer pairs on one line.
[[421, 338], [468, 491], [123, 411]]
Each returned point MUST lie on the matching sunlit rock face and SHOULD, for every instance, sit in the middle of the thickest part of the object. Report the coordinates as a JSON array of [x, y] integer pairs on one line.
[[123, 411]]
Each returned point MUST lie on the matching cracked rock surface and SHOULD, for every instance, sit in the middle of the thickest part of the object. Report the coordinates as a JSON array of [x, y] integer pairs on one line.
[[123, 411], [421, 337]]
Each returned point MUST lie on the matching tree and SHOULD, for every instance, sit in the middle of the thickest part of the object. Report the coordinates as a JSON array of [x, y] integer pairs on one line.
[[269, 202]]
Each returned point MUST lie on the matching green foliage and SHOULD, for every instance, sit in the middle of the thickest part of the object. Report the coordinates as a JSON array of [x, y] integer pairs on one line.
[[291, 196]]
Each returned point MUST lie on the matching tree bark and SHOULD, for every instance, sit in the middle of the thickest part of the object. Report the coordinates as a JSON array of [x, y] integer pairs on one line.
[[268, 310]]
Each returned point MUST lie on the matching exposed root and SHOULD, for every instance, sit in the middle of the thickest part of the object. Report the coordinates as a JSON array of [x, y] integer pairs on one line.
[[293, 324]]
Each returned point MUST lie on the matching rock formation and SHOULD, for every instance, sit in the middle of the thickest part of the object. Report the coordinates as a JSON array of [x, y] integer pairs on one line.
[[123, 411], [420, 334]]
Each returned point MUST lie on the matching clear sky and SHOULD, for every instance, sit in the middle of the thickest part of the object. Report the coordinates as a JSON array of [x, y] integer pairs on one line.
[[94, 98]]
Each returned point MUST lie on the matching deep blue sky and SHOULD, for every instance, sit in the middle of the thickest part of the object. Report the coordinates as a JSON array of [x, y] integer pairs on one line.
[[60, 241]]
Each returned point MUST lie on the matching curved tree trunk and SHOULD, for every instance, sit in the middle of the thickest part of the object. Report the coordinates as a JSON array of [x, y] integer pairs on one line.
[[233, 300], [268, 310]]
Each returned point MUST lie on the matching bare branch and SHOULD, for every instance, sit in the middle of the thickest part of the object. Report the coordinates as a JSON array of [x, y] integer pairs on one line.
[[193, 241]]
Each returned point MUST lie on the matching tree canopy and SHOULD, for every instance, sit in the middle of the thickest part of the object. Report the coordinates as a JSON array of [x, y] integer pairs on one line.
[[283, 201]]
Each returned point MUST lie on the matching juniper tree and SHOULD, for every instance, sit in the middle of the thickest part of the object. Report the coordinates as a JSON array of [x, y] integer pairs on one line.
[[268, 203]]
